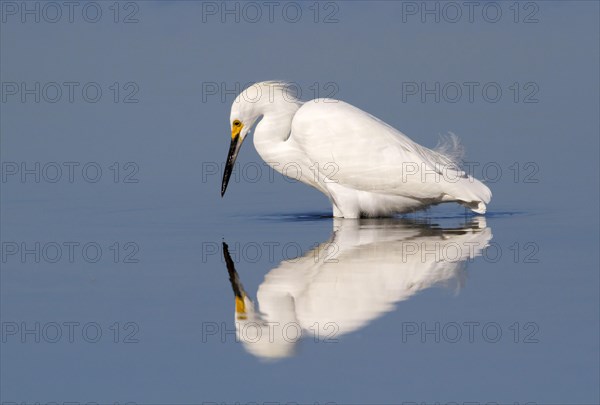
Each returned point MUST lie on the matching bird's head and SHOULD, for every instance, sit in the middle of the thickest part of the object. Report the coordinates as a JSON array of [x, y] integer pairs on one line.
[[276, 98], [242, 119]]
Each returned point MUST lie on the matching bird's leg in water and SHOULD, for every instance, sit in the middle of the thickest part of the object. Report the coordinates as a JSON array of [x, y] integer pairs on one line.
[[336, 212]]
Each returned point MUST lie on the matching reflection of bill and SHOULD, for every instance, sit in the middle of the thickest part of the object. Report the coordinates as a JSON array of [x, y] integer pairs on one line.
[[343, 284]]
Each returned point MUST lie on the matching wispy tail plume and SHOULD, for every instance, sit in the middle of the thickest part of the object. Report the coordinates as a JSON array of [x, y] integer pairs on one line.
[[449, 145]]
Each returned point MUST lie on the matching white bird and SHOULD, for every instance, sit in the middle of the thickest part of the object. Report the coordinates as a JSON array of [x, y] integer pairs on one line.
[[364, 166], [365, 269]]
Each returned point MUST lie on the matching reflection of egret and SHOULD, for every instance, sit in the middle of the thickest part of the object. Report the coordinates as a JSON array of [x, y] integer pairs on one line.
[[364, 166], [341, 285]]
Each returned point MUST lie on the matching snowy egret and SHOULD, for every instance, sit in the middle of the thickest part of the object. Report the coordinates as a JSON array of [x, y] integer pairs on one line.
[[365, 269], [364, 166]]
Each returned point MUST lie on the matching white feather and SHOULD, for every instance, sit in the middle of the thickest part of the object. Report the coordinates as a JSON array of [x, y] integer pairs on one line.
[[363, 165]]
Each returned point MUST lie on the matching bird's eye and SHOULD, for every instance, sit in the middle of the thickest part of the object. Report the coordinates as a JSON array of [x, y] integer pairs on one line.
[[236, 123]]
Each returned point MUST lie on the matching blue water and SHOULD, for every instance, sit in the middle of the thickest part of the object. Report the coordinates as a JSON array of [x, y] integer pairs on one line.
[[115, 285]]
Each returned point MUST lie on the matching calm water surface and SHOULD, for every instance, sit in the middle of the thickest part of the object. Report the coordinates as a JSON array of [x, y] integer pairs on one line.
[[423, 308], [115, 284]]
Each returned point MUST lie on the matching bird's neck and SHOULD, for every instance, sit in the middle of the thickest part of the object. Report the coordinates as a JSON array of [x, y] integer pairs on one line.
[[272, 132]]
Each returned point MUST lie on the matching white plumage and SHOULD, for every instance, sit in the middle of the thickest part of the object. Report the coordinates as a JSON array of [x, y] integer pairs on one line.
[[365, 270], [363, 165]]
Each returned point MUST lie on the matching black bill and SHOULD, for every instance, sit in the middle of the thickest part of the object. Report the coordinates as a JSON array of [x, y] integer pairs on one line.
[[236, 284], [234, 148]]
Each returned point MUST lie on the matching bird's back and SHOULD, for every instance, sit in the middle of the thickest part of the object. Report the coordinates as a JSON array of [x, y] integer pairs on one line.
[[364, 153]]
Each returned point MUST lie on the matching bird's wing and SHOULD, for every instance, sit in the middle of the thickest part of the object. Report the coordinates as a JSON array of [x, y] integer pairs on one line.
[[354, 149], [366, 269]]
